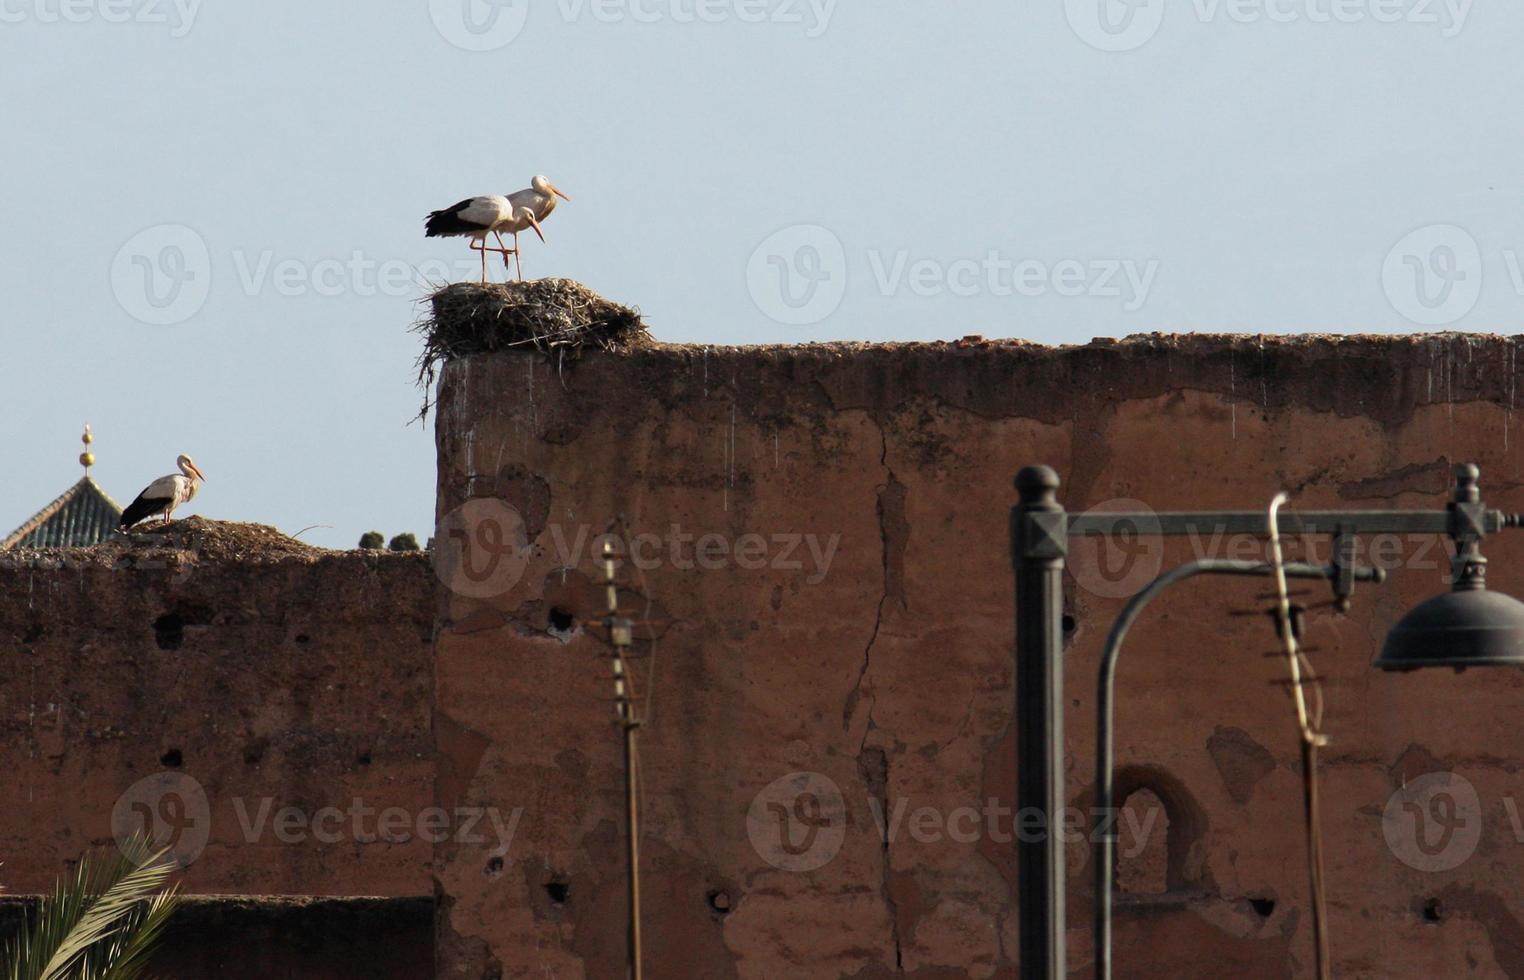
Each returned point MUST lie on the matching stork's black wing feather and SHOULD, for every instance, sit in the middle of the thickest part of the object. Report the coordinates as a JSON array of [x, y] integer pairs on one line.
[[448, 221], [144, 506]]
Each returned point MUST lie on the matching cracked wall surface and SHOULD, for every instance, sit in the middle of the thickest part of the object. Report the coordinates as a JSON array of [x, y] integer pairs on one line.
[[816, 558]]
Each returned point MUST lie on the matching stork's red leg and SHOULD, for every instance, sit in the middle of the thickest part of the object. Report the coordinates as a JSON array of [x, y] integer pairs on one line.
[[480, 245]]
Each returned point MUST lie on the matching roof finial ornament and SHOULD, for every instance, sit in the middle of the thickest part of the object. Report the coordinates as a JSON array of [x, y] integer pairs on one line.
[[87, 458]]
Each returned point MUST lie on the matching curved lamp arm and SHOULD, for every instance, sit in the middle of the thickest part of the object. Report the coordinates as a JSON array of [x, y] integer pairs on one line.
[[1104, 828]]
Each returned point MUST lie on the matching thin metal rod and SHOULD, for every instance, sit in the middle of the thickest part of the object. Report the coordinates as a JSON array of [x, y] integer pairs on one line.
[[1320, 522], [632, 832], [1104, 829], [621, 637]]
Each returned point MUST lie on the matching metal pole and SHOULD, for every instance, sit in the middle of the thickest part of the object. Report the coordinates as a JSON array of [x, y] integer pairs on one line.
[[622, 637], [1104, 833], [1039, 542], [632, 832]]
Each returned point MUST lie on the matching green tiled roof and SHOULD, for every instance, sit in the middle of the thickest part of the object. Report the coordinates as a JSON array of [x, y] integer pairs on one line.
[[83, 516]]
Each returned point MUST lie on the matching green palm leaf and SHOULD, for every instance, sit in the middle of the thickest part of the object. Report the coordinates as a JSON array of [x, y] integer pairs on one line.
[[101, 924]]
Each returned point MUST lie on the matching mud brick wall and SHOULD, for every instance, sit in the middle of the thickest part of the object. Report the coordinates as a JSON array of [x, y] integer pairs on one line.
[[217, 692], [800, 701]]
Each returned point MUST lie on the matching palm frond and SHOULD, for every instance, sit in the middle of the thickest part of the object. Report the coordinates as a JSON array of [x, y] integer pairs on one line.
[[101, 924]]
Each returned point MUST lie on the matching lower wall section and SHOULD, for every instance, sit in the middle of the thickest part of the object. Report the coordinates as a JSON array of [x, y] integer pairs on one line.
[[288, 938], [256, 703]]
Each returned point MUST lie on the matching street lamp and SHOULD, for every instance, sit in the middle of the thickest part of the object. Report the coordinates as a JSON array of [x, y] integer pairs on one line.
[[1467, 627]]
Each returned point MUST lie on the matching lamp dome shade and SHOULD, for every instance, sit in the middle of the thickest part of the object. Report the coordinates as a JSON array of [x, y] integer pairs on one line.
[[1468, 628]]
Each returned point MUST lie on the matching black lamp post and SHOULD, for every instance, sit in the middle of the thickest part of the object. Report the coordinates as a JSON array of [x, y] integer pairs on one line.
[[1467, 627]]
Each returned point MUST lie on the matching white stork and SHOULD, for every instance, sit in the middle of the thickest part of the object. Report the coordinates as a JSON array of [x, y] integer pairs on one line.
[[164, 494], [540, 197], [477, 217]]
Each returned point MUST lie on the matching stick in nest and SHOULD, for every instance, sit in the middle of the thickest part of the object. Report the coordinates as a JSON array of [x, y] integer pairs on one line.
[[552, 315]]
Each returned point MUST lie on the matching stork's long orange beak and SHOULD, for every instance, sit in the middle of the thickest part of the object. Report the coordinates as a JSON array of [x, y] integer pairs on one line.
[[535, 225], [197, 470], [558, 192]]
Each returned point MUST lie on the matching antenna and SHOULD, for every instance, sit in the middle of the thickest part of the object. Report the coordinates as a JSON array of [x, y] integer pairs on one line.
[[621, 637]]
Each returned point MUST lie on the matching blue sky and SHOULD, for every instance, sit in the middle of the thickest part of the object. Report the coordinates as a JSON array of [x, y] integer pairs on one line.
[[250, 179]]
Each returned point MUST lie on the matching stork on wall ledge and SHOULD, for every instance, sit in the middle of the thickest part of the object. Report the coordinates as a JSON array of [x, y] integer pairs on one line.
[[478, 217], [164, 494]]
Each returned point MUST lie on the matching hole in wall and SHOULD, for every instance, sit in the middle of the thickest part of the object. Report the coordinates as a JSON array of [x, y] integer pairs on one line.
[[1432, 911], [363, 759], [172, 759], [494, 867], [561, 620], [169, 631], [1263, 907], [1070, 624], [719, 902], [559, 892], [303, 639]]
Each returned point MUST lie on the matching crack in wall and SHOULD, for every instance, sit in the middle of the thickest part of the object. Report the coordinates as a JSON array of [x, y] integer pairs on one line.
[[873, 762]]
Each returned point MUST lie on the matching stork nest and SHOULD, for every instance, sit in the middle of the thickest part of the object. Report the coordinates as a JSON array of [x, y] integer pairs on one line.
[[554, 316]]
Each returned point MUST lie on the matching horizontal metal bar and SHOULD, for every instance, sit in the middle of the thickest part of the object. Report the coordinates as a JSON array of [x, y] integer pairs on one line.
[[1257, 522]]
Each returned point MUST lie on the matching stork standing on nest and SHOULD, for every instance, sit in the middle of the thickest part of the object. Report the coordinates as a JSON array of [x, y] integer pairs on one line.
[[539, 197], [477, 217], [164, 494]]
